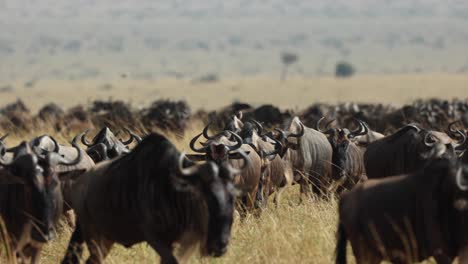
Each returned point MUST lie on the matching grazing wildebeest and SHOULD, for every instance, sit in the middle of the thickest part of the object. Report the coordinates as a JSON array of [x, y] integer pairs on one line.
[[30, 199], [348, 161], [220, 149], [407, 218], [310, 155], [105, 144], [405, 150], [156, 200]]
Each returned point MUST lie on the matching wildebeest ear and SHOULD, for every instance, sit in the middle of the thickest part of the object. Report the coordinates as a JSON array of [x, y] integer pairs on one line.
[[7, 178], [196, 157], [236, 155]]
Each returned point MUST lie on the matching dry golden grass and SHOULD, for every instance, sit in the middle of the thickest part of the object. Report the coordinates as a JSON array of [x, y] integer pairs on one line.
[[291, 233], [296, 92]]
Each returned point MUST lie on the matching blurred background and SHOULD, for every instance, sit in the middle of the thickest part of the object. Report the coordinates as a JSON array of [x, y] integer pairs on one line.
[[290, 53]]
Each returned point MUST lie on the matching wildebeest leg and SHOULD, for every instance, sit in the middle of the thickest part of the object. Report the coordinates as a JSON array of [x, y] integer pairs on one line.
[[308, 187], [164, 251], [442, 259], [305, 191], [362, 254], [98, 250], [33, 253], [187, 246], [241, 207], [260, 195], [463, 255], [75, 247], [70, 218]]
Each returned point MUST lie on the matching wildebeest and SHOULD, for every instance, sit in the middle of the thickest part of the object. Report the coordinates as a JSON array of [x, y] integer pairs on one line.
[[220, 149], [105, 144], [156, 200], [348, 161], [407, 218], [30, 199], [405, 151], [310, 156], [42, 145], [276, 174]]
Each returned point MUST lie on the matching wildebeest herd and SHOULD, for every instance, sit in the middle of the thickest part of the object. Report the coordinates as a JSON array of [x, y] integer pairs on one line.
[[399, 175]]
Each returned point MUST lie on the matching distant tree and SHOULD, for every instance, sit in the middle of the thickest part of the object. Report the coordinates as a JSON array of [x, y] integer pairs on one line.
[[344, 69], [287, 58]]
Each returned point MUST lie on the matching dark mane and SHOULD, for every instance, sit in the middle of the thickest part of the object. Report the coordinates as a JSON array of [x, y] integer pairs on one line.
[[142, 184]]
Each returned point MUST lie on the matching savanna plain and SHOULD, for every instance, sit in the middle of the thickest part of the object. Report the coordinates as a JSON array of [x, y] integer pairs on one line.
[[290, 233]]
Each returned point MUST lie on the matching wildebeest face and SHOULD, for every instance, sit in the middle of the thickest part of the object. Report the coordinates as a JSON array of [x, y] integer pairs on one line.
[[340, 145], [219, 193], [339, 159], [218, 153], [42, 188], [215, 185]]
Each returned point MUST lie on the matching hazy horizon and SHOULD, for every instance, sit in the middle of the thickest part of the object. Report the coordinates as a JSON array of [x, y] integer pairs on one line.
[[81, 39]]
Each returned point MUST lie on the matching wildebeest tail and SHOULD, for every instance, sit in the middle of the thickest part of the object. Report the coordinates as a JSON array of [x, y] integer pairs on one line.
[[341, 241], [75, 247]]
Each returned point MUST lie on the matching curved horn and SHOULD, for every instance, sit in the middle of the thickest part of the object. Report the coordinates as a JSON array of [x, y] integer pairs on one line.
[[459, 181], [300, 134], [283, 134], [186, 171], [192, 145], [454, 132], [56, 159], [4, 136], [239, 142], [278, 147], [258, 125], [56, 145], [135, 136], [239, 115], [83, 139], [450, 127], [130, 140], [462, 140], [426, 140], [4, 163], [362, 129], [205, 132], [327, 125]]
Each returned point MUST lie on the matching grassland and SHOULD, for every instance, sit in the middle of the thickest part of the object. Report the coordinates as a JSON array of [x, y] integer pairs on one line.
[[291, 233]]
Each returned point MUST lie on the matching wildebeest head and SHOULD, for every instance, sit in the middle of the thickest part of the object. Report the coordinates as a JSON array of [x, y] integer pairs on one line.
[[105, 144], [448, 145], [236, 124], [34, 172], [215, 185], [218, 148], [283, 138], [340, 139]]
